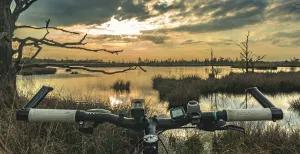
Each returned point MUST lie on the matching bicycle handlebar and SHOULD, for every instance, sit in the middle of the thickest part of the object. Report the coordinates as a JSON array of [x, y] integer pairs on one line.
[[60, 115]]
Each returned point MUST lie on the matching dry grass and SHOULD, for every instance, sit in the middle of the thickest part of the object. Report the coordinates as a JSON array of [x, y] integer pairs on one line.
[[260, 138], [22, 137], [295, 105]]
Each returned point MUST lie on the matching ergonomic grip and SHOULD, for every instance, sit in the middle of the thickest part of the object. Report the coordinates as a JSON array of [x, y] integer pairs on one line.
[[46, 115], [254, 114]]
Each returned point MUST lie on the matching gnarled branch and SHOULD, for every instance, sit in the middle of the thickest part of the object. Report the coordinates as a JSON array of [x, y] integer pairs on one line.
[[29, 41], [295, 7], [84, 68], [22, 5], [54, 28]]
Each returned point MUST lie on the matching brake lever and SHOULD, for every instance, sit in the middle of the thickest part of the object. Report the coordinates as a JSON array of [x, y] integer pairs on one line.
[[232, 127], [211, 126], [85, 130]]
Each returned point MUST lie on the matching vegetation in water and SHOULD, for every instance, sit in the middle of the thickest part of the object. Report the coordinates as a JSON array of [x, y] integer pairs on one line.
[[178, 91], [121, 85], [37, 70]]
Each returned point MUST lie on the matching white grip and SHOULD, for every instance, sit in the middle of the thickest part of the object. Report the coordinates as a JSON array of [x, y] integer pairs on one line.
[[51, 115], [249, 114]]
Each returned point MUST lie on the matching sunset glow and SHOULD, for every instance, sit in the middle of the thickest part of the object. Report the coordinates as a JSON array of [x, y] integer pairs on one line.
[[120, 27], [162, 29]]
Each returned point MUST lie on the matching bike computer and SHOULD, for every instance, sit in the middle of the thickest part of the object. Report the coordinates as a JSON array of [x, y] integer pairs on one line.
[[177, 113], [137, 108]]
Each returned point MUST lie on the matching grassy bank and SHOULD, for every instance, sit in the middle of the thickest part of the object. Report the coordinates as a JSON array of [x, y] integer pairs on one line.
[[178, 91], [37, 71]]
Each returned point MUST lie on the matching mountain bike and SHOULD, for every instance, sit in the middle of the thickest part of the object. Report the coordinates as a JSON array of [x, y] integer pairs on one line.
[[152, 126]]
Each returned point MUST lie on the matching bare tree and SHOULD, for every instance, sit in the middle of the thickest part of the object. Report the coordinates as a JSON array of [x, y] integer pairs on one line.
[[246, 54], [253, 62], [9, 66]]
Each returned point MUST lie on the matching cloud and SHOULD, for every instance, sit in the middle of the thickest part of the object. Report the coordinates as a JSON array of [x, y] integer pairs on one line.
[[156, 39], [213, 41], [164, 7], [281, 11], [226, 15], [283, 38], [131, 9], [70, 12], [190, 42]]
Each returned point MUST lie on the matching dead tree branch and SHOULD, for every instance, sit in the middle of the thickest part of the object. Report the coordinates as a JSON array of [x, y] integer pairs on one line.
[[295, 7], [38, 42], [84, 68], [22, 5], [54, 28]]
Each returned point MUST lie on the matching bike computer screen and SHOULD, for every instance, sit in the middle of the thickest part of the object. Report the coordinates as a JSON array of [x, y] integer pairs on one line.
[[177, 113]]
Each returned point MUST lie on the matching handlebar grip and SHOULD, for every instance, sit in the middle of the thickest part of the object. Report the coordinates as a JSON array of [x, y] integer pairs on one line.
[[264, 102], [254, 114], [46, 115]]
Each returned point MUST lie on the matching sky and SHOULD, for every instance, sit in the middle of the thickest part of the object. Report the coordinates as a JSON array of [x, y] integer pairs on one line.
[[162, 29]]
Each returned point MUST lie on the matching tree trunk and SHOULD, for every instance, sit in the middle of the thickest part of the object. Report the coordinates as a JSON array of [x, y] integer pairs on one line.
[[247, 66], [8, 89]]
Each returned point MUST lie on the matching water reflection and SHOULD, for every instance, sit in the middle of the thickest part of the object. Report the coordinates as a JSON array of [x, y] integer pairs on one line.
[[119, 98]]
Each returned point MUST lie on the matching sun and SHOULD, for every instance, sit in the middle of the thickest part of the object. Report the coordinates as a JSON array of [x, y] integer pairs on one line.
[[120, 27]]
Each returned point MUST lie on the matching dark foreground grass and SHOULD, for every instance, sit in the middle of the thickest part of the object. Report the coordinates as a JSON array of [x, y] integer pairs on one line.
[[24, 138], [259, 138], [178, 91]]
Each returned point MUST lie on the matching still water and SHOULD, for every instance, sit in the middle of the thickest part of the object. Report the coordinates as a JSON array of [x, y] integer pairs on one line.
[[87, 86]]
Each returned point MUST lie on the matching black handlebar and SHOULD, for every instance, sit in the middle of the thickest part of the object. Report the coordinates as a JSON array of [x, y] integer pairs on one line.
[[34, 102], [264, 102], [29, 113]]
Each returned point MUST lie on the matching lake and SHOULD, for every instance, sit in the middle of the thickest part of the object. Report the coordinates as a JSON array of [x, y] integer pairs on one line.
[[97, 87]]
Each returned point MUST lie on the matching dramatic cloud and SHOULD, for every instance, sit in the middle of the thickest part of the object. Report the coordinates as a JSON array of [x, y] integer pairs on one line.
[[164, 7], [225, 15], [69, 12], [173, 26]]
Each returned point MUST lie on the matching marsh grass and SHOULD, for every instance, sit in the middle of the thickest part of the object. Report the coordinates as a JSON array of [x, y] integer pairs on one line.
[[259, 138], [178, 91], [121, 85], [295, 105]]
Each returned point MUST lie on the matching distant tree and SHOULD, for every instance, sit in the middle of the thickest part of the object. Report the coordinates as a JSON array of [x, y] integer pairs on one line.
[[254, 61], [246, 54]]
